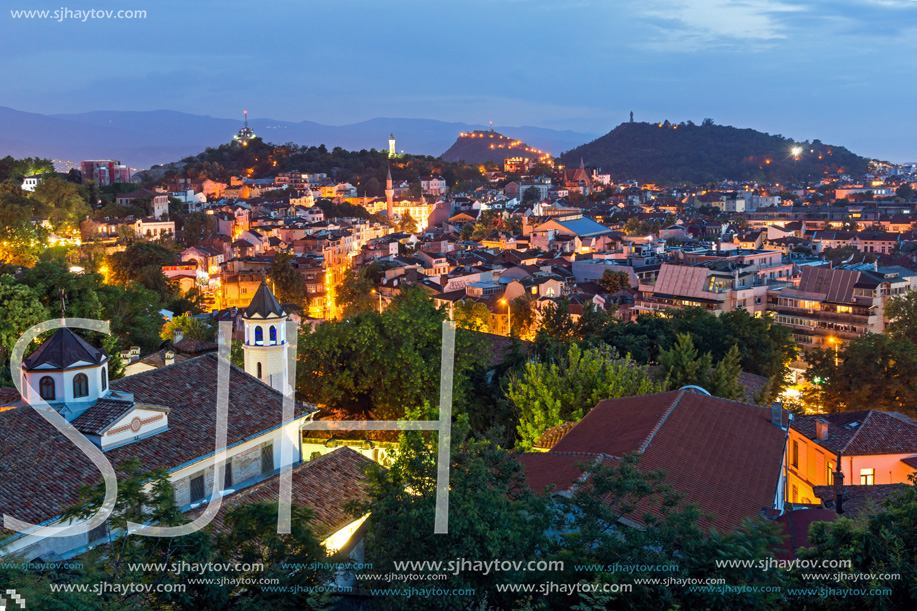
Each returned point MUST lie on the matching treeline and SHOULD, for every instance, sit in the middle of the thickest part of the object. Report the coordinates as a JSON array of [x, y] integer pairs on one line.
[[365, 169]]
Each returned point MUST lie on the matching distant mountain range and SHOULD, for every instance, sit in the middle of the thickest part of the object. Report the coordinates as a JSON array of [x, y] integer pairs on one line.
[[667, 153], [144, 138]]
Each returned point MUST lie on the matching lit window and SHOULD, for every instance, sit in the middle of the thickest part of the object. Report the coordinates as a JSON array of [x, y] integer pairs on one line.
[[867, 477]]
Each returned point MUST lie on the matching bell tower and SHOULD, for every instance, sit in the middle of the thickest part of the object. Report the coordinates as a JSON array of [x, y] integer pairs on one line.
[[391, 145], [265, 337]]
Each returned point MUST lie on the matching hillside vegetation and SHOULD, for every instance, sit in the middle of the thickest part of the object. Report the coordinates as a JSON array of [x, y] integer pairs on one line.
[[667, 153]]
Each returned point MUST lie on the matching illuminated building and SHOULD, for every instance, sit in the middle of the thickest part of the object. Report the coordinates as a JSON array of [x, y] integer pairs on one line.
[[246, 133]]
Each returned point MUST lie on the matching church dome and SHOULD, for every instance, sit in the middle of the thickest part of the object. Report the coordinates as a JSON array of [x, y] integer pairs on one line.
[[65, 372]]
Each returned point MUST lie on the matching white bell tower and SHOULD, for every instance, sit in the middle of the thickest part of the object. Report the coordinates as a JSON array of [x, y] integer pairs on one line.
[[265, 337]]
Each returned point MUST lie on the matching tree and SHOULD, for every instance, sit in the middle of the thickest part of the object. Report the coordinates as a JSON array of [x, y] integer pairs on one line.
[[20, 309], [682, 364], [197, 226], [901, 311], [288, 284], [251, 539], [472, 315], [355, 294], [620, 492], [873, 371], [524, 316], [723, 380], [531, 194], [407, 223], [61, 202], [547, 395], [614, 281], [883, 544], [684, 367], [142, 262], [192, 328], [905, 192], [342, 367], [492, 514]]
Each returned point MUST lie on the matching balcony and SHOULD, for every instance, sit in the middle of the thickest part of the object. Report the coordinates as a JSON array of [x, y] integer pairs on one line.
[[824, 315]]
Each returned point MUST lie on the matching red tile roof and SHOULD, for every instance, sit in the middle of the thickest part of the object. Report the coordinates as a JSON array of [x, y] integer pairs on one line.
[[39, 488], [723, 455], [861, 500], [559, 470], [863, 432], [323, 484]]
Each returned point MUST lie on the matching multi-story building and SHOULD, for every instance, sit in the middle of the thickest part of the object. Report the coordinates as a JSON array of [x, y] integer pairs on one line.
[[832, 306], [105, 171]]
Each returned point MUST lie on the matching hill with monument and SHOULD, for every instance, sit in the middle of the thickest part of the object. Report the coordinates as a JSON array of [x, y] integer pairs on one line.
[[669, 153]]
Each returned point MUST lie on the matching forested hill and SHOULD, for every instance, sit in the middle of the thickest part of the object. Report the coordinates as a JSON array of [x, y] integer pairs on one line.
[[668, 153]]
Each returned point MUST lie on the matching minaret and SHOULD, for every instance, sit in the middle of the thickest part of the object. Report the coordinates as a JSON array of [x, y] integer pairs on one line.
[[391, 145], [265, 337], [389, 195]]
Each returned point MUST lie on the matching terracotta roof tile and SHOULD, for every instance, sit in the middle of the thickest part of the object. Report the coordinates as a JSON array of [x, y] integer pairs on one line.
[[723, 455], [39, 488], [323, 484], [863, 432]]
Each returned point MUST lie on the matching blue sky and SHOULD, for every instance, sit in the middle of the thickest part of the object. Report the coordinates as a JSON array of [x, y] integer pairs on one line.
[[841, 70]]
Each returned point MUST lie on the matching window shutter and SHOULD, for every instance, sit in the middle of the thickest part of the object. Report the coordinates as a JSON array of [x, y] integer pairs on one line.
[[197, 489], [267, 460]]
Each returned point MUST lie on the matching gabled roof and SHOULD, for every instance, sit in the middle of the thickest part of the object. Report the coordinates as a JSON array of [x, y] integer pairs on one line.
[[39, 488], [726, 456], [264, 304], [62, 350], [863, 432], [324, 485]]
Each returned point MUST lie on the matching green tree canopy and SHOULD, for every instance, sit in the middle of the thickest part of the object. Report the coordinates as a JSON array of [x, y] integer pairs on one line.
[[549, 394], [288, 284], [613, 281], [342, 367]]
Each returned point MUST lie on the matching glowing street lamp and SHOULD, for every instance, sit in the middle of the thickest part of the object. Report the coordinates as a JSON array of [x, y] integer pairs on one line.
[[796, 151], [832, 340], [375, 292], [509, 320]]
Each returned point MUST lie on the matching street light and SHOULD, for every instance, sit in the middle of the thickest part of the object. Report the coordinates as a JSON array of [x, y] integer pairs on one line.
[[509, 320], [797, 151], [831, 340], [375, 292]]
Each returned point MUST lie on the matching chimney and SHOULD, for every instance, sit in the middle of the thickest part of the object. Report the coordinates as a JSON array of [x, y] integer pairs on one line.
[[821, 429], [169, 357], [177, 335], [839, 487], [777, 414]]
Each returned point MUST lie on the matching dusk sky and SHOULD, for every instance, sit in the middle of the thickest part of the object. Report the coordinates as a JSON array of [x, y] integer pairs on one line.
[[840, 70]]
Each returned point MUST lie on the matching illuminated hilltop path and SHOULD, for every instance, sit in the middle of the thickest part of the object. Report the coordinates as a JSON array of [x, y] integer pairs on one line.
[[480, 146]]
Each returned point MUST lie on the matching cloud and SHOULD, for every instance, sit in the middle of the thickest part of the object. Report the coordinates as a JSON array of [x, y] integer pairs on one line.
[[696, 24]]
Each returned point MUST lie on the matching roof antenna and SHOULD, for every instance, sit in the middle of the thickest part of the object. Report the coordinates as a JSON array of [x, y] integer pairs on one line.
[[62, 302]]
